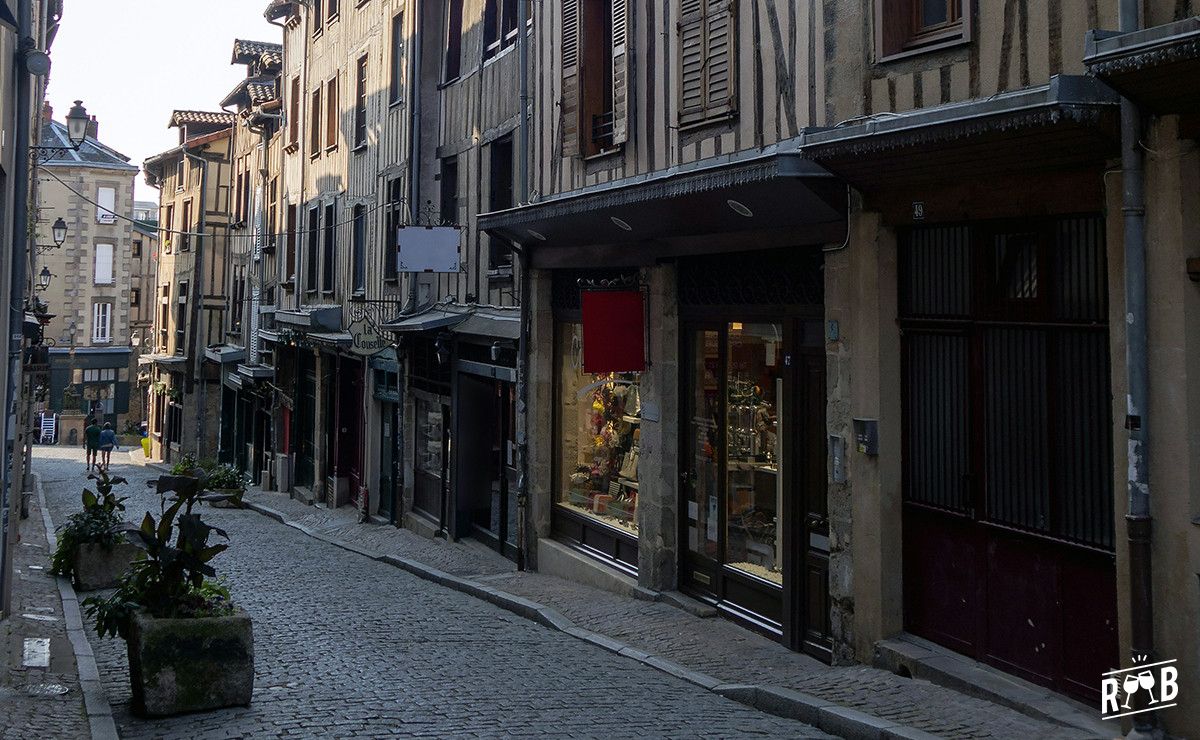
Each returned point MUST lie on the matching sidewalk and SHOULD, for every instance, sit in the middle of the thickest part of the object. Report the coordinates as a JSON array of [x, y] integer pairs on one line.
[[41, 694], [855, 701]]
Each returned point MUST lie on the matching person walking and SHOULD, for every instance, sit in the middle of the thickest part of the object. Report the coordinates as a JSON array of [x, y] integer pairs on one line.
[[108, 440], [91, 441]]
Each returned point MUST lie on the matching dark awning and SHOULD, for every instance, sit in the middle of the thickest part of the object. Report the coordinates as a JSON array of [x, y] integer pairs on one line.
[[1068, 123], [765, 198], [436, 318], [1156, 67]]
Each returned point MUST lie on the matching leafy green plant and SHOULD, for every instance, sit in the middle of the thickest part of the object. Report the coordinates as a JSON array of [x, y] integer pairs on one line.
[[98, 524], [171, 581], [186, 465]]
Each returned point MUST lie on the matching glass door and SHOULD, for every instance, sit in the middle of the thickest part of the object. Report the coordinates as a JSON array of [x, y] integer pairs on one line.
[[732, 473]]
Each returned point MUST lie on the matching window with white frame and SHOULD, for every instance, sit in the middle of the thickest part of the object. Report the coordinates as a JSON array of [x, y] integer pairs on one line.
[[100, 375], [104, 264], [106, 205], [101, 322]]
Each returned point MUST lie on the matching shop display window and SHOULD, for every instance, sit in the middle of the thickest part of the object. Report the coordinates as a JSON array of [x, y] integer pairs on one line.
[[599, 423]]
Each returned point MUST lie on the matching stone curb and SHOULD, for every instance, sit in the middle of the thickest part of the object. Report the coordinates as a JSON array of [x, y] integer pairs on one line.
[[95, 702], [824, 715]]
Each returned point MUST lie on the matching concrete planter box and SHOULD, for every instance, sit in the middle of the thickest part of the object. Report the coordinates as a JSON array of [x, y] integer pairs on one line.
[[190, 665], [96, 568]]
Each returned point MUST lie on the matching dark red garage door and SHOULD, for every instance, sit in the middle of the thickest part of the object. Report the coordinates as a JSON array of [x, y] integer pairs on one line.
[[1008, 482]]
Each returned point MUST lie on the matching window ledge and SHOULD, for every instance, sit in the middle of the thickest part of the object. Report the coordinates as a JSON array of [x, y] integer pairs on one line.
[[360, 148], [604, 153], [291, 148], [712, 121], [393, 104], [329, 149], [447, 83], [500, 274], [950, 40]]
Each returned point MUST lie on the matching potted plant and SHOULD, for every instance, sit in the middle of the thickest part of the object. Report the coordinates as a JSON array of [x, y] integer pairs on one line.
[[190, 648], [226, 481], [91, 550]]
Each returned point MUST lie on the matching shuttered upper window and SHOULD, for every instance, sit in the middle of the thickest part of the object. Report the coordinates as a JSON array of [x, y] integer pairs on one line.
[[595, 75], [104, 264], [707, 60], [904, 27], [106, 211]]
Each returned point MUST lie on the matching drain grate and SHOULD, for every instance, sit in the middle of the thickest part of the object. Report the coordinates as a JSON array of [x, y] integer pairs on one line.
[[46, 689]]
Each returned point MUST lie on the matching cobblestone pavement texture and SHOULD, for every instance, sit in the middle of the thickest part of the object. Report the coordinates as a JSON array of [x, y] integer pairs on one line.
[[38, 702], [350, 647], [714, 646]]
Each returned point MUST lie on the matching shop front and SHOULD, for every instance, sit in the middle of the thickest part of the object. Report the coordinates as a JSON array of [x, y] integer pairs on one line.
[[754, 531], [597, 428]]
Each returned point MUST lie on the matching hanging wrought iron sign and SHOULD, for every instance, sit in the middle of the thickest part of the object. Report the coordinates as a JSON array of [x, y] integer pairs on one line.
[[366, 317], [428, 245]]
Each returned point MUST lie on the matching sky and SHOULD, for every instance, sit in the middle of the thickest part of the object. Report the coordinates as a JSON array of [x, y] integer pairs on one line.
[[132, 62]]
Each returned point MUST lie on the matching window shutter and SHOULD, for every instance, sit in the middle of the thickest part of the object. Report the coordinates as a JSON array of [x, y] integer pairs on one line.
[[620, 67], [570, 78], [719, 32], [104, 264], [691, 60], [106, 213]]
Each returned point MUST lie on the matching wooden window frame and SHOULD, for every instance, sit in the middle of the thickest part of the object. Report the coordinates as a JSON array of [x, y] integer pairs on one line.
[[396, 60], [392, 220], [452, 59], [899, 34], [185, 228], [332, 11], [358, 266], [329, 252], [314, 121], [289, 256], [169, 229], [499, 27], [318, 15], [333, 128], [112, 264], [107, 338], [500, 257], [360, 104], [312, 269], [294, 112]]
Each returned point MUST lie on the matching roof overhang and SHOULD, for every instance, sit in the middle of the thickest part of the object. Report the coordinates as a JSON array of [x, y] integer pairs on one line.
[[1071, 122], [224, 354], [312, 318], [1155, 67], [256, 372], [434, 318], [491, 323], [708, 205], [332, 338]]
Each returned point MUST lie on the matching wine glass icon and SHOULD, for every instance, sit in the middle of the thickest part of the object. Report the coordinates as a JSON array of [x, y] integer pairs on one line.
[[1130, 684], [1146, 680]]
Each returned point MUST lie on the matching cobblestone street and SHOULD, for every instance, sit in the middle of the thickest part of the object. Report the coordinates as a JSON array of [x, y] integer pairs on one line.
[[346, 646]]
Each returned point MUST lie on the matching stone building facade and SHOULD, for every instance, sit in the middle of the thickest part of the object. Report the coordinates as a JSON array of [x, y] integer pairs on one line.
[[91, 284]]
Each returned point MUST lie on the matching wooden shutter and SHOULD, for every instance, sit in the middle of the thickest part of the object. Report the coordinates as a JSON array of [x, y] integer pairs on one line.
[[719, 29], [691, 61], [620, 70], [707, 81], [570, 78]]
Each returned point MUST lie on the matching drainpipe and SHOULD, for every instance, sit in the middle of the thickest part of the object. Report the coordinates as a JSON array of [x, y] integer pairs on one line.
[[414, 146], [524, 264], [9, 506], [1137, 520]]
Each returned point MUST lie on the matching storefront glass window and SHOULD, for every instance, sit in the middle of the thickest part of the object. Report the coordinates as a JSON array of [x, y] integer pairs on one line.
[[703, 415], [599, 420], [754, 488]]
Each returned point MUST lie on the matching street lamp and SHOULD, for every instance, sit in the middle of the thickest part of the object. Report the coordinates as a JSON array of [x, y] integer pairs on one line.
[[77, 124], [59, 230], [44, 278], [77, 129]]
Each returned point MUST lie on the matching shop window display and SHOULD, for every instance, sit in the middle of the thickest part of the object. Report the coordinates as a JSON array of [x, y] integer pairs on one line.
[[600, 434]]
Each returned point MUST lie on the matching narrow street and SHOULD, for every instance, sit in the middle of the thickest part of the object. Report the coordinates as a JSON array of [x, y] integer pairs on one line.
[[348, 647]]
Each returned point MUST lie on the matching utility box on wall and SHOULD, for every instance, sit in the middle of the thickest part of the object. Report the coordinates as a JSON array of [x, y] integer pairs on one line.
[[866, 436]]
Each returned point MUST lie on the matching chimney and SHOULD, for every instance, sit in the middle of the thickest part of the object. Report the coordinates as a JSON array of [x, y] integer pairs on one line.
[[47, 112], [93, 129]]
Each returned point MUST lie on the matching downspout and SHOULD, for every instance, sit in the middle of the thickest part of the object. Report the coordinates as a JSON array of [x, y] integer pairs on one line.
[[197, 298], [17, 280], [1137, 520], [414, 146], [524, 265]]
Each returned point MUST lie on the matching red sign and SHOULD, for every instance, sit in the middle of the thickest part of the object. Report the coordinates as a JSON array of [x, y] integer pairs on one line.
[[614, 331]]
